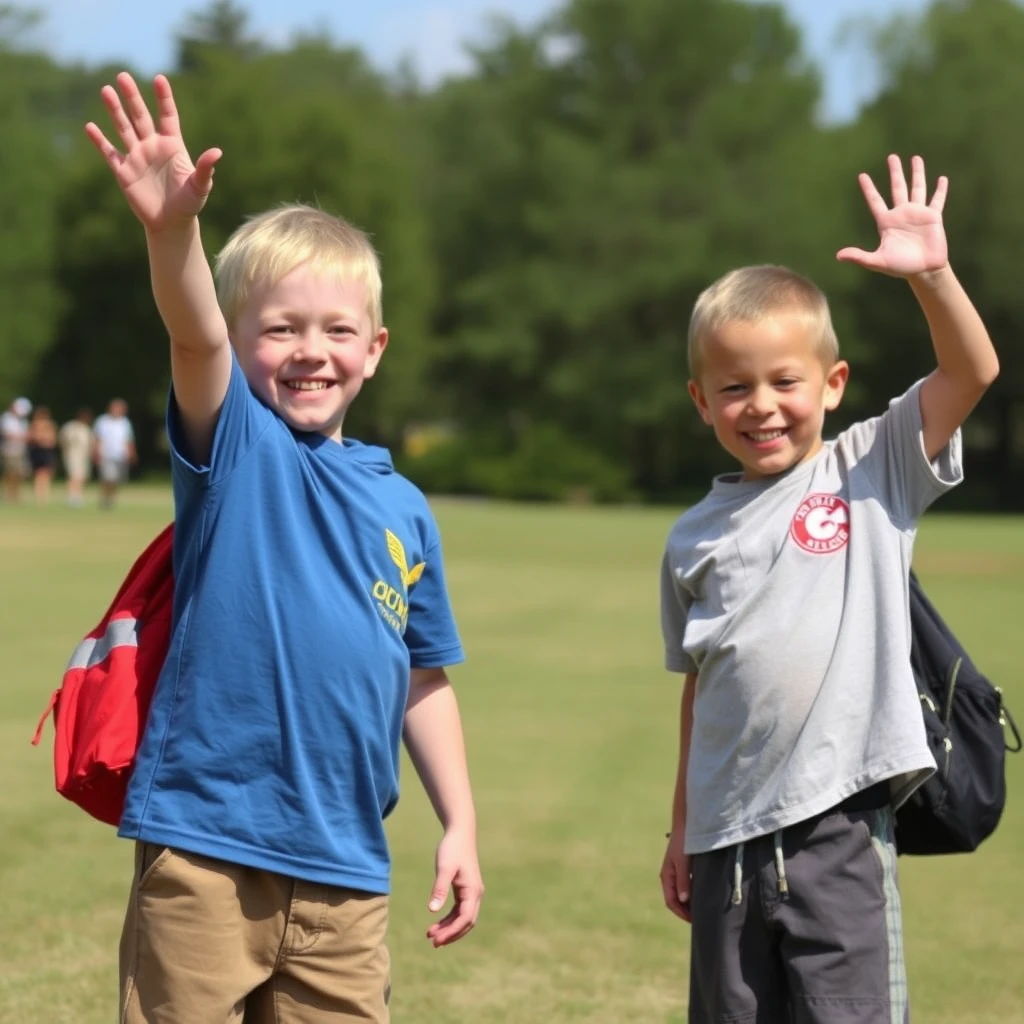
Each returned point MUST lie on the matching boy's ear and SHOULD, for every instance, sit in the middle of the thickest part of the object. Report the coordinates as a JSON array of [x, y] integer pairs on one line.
[[377, 346], [697, 394], [835, 384]]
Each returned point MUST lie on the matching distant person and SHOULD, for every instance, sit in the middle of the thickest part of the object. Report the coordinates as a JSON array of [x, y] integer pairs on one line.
[[14, 447], [76, 449], [114, 441], [42, 452], [312, 633], [785, 601]]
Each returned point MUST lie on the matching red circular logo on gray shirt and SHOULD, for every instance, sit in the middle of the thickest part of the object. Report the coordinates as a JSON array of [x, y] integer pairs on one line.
[[821, 524]]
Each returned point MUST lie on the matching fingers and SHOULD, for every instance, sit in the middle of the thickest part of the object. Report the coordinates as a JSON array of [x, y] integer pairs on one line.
[[941, 191], [876, 204], [679, 906], [459, 921], [107, 149], [136, 107], [918, 184], [918, 188], [675, 885], [130, 115], [122, 123], [166, 108], [438, 895], [202, 179], [861, 257], [897, 182], [670, 893]]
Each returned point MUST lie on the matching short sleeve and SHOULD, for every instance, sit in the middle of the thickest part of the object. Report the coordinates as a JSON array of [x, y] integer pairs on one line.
[[889, 449], [675, 607], [431, 635], [242, 419]]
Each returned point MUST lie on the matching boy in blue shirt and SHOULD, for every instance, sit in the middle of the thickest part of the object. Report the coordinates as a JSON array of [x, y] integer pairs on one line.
[[785, 603], [311, 625]]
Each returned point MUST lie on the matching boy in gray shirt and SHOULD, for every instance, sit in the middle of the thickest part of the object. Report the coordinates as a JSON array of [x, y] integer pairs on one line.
[[785, 603]]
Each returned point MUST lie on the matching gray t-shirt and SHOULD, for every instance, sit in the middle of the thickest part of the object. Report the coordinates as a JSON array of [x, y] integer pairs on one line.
[[788, 596]]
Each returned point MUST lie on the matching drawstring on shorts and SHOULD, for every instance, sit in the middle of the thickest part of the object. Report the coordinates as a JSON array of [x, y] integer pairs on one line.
[[780, 869], [780, 863], [737, 877]]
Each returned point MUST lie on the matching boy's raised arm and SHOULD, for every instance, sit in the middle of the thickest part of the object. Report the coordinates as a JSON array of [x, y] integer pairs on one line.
[[912, 244], [166, 191], [967, 361]]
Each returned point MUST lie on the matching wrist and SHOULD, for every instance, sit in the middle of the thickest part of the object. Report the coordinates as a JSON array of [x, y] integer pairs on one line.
[[932, 280], [462, 822], [182, 230], [460, 832]]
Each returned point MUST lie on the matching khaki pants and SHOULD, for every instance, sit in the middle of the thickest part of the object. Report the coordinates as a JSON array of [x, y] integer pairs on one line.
[[208, 942]]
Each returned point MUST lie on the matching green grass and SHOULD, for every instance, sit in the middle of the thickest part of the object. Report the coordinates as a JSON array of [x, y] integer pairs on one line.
[[571, 729]]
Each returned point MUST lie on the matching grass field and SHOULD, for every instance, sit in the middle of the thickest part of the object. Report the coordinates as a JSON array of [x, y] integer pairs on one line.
[[571, 725]]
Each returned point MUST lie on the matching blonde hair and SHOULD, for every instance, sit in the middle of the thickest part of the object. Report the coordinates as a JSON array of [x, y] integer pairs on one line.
[[750, 294], [271, 245]]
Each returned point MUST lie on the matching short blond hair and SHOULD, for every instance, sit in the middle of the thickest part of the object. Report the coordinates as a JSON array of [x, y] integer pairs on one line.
[[749, 294], [269, 246]]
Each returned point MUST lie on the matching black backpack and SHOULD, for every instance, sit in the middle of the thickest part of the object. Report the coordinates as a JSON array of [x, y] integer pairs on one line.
[[966, 724]]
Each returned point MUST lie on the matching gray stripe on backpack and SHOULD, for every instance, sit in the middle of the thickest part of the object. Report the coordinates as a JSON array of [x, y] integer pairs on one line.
[[93, 650]]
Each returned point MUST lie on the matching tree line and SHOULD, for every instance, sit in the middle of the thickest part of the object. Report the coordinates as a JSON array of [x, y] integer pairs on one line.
[[545, 223]]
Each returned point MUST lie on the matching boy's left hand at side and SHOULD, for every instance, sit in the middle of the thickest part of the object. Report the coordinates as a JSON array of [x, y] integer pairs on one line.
[[458, 871]]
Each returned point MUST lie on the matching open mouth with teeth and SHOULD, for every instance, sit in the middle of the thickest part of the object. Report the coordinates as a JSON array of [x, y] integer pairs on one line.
[[308, 385], [765, 437]]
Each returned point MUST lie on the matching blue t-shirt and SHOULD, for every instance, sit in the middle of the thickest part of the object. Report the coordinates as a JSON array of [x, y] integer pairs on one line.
[[308, 579]]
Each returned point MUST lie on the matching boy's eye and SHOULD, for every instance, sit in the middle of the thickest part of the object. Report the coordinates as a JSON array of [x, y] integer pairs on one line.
[[787, 382], [341, 329], [734, 389], [280, 329]]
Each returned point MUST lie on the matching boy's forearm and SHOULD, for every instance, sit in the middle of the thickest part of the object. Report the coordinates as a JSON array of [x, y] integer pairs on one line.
[[184, 290], [685, 732], [434, 739], [963, 349]]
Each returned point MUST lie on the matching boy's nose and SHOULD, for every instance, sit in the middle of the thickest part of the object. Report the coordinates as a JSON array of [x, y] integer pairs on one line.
[[310, 346], [760, 401]]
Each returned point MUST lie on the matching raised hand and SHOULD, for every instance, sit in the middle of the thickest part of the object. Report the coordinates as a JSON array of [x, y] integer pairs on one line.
[[912, 239], [156, 174]]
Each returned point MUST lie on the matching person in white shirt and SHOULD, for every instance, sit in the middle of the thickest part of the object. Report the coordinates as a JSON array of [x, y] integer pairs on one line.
[[114, 449], [14, 446]]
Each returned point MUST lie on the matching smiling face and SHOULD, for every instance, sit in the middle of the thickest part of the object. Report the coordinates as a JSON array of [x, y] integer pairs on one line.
[[765, 390], [306, 344]]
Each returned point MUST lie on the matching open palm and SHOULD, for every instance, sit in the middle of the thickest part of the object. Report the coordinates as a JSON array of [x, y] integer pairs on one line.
[[912, 239], [162, 185]]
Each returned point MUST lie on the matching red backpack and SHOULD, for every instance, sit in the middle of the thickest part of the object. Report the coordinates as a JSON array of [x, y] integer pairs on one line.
[[100, 708]]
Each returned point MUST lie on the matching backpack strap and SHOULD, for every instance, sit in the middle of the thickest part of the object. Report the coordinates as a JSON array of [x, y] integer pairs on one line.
[[1007, 722], [49, 710]]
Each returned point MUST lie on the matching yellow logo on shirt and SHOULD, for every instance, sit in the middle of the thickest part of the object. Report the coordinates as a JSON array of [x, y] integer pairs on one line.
[[393, 604], [397, 552]]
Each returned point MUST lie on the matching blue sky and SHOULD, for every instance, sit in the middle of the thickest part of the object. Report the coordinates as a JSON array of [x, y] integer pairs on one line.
[[432, 31]]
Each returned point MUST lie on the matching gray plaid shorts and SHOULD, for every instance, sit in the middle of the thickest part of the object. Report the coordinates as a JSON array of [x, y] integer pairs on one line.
[[802, 927]]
